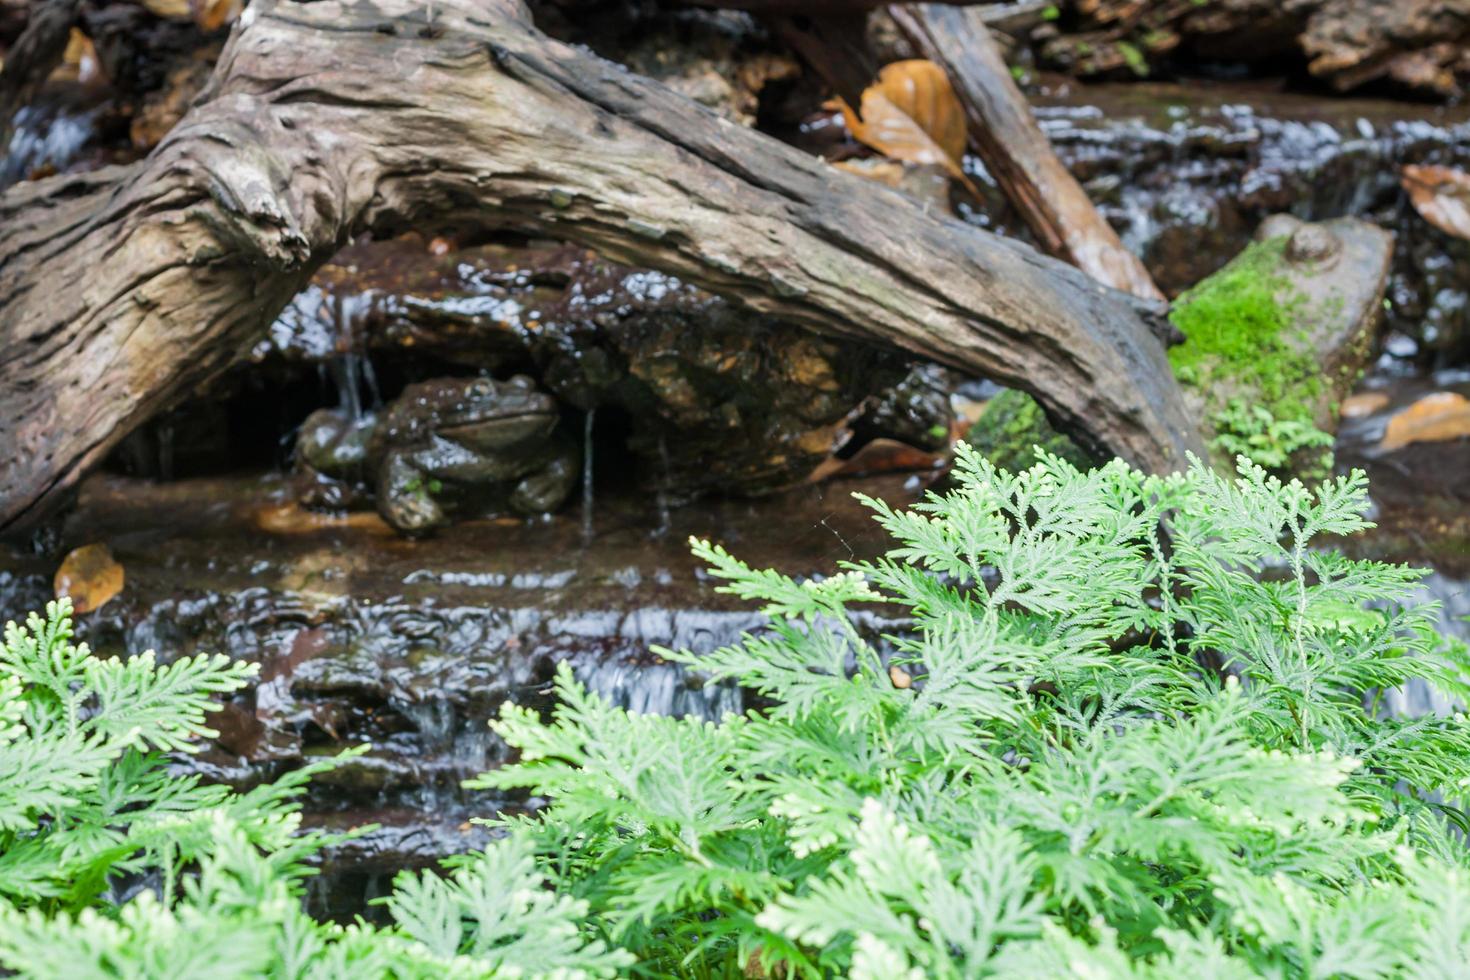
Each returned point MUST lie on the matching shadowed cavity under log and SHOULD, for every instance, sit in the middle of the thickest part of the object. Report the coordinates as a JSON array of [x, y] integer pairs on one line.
[[295, 146]]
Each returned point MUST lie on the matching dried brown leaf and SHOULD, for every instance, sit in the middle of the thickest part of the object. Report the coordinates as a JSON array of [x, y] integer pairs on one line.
[[211, 15], [1363, 404], [1439, 417], [911, 113], [292, 518], [168, 9], [886, 172], [1441, 195], [89, 576]]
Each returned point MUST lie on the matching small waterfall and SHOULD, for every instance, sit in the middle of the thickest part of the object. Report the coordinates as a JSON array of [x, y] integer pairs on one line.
[[587, 474], [661, 689], [370, 378], [662, 495], [435, 720], [346, 376], [45, 134], [349, 368]]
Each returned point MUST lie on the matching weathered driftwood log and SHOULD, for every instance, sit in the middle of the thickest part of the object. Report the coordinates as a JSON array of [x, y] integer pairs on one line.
[[122, 289]]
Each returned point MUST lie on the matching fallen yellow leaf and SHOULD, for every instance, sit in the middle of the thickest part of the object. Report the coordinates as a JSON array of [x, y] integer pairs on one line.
[[911, 113], [169, 9], [292, 518], [1441, 195], [1439, 417], [89, 576]]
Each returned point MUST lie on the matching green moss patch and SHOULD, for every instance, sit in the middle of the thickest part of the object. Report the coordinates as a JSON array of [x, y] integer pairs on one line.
[[1009, 428], [1249, 357], [1243, 340]]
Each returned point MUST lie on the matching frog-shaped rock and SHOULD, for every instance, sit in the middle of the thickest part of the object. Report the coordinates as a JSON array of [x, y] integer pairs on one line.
[[445, 450]]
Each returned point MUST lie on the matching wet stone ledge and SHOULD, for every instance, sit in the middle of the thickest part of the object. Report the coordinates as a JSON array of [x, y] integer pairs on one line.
[[1186, 172]]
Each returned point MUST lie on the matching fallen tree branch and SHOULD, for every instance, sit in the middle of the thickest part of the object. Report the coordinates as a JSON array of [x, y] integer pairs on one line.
[[122, 290], [1002, 130], [1016, 151]]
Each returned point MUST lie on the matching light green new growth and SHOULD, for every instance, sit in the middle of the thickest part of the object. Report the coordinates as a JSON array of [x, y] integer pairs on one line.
[[1242, 429], [1129, 729], [1062, 789]]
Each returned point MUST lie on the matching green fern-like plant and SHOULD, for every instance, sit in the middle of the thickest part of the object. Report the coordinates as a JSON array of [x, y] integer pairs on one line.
[[87, 803], [1131, 731], [1280, 445]]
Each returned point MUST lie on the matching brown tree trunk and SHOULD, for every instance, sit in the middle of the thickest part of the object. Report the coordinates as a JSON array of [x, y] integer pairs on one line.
[[1016, 151], [122, 289]]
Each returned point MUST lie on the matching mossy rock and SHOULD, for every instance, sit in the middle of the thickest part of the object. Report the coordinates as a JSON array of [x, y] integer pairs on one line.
[[1012, 425], [1278, 337]]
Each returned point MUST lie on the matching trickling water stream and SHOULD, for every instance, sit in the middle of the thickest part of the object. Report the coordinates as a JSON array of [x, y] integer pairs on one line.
[[414, 645], [47, 135], [588, 426]]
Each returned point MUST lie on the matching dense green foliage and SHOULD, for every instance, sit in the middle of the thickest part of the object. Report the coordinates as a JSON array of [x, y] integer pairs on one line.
[[1062, 789], [87, 807], [1100, 750], [1248, 430]]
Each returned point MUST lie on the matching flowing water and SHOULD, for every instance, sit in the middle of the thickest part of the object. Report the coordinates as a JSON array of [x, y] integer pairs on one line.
[[414, 645], [48, 135]]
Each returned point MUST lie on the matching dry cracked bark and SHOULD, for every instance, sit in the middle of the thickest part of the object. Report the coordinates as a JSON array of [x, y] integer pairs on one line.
[[123, 289]]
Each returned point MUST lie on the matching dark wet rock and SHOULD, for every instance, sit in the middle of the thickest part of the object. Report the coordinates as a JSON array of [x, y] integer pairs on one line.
[[711, 396], [444, 450], [1187, 173], [1129, 38], [351, 874], [1418, 44], [719, 60], [1413, 46], [723, 59], [916, 411]]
